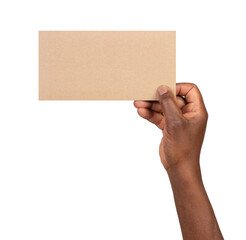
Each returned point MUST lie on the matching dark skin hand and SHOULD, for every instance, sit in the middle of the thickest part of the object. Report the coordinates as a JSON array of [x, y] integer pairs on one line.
[[183, 119]]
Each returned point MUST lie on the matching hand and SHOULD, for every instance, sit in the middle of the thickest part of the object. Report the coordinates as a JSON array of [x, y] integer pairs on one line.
[[182, 120]]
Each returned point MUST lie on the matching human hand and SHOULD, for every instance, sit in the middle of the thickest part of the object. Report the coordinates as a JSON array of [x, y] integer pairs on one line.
[[182, 120]]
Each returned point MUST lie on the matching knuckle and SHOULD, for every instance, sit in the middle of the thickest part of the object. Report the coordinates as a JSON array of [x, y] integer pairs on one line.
[[196, 88], [204, 114], [203, 118], [194, 85]]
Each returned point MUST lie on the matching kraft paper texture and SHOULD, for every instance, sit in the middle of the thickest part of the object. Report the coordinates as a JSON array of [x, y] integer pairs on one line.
[[105, 65]]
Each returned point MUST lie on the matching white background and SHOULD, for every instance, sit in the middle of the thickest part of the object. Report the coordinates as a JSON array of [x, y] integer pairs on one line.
[[91, 170]]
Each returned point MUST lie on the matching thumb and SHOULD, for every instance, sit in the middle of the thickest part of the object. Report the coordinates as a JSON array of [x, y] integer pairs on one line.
[[168, 103]]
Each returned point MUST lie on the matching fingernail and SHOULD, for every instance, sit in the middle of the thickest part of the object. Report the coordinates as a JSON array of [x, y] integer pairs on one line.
[[162, 91]]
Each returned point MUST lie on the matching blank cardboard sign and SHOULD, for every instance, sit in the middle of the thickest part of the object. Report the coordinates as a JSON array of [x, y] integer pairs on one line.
[[105, 65]]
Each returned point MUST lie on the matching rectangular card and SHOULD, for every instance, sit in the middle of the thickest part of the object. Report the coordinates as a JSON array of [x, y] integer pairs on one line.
[[105, 65]]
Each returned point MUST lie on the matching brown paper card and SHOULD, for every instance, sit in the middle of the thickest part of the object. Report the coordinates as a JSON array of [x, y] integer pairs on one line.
[[105, 65]]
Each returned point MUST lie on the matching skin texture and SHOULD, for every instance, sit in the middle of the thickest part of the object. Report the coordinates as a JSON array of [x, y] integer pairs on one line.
[[182, 120]]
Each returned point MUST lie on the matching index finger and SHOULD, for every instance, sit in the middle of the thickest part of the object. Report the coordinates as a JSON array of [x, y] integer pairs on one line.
[[190, 91]]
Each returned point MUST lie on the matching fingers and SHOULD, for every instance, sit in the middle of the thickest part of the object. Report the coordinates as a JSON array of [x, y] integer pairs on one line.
[[168, 104], [156, 106], [188, 99], [180, 102], [190, 91], [153, 105], [152, 116]]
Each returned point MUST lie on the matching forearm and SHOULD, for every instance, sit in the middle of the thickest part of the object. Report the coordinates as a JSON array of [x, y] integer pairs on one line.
[[195, 212]]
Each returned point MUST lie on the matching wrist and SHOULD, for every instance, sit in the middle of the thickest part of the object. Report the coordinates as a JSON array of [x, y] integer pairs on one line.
[[184, 172]]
